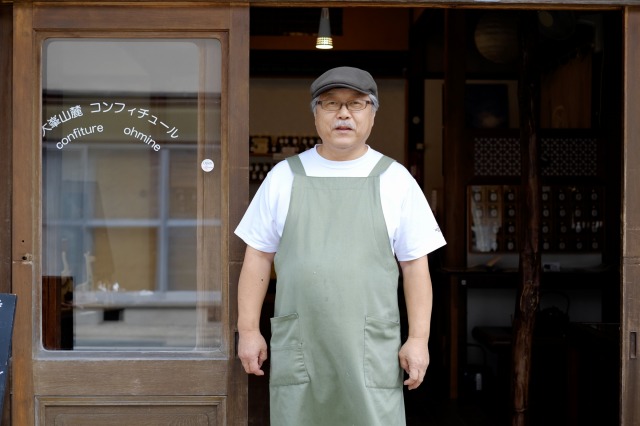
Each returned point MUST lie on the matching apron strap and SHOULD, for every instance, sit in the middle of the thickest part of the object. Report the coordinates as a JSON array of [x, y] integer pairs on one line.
[[382, 166], [296, 165]]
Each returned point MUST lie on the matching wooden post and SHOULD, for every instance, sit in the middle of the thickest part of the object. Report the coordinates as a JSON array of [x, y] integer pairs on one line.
[[530, 263], [455, 168], [456, 162]]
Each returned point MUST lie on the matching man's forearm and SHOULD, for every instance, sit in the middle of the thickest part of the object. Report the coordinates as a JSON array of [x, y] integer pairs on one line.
[[252, 288], [418, 295]]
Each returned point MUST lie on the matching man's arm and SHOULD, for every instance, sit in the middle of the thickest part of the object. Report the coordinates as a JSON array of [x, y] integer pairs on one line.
[[418, 294], [252, 288]]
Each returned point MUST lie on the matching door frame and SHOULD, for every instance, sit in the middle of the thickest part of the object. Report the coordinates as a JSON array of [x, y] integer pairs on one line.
[[629, 175], [34, 376], [630, 268]]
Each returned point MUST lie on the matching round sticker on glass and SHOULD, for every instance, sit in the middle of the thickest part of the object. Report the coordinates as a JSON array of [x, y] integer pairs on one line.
[[207, 165]]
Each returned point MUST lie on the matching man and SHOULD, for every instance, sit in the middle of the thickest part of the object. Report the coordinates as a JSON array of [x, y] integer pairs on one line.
[[334, 219]]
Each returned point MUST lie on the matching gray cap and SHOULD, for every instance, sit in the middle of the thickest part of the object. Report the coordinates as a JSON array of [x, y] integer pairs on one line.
[[347, 77]]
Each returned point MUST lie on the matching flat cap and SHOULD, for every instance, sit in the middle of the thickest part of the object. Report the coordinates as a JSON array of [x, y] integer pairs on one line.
[[347, 77]]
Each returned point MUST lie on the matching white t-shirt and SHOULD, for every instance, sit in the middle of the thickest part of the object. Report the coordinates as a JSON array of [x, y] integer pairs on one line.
[[412, 228]]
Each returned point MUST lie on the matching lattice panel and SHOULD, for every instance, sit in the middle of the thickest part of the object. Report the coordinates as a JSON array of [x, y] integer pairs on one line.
[[569, 156], [496, 156], [566, 156]]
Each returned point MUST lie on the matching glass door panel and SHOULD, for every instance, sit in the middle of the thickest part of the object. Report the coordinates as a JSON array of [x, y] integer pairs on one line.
[[131, 179]]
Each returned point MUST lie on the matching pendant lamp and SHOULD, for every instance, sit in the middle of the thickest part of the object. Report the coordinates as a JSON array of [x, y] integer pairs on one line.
[[324, 40]]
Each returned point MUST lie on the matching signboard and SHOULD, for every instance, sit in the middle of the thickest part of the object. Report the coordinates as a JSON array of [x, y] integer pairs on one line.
[[7, 312]]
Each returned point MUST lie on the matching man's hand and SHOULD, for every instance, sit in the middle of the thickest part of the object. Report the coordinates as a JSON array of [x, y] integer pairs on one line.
[[414, 359], [252, 351]]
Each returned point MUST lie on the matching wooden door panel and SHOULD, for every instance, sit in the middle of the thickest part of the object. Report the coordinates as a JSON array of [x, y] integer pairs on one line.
[[130, 377], [155, 411]]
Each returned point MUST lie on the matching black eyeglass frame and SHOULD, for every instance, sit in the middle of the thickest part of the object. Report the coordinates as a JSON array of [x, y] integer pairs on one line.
[[341, 104]]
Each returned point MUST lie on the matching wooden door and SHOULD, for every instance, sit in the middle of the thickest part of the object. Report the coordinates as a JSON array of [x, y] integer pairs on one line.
[[129, 131], [630, 286]]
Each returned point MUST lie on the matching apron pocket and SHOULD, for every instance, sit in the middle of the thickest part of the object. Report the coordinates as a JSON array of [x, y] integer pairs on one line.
[[381, 346], [287, 358]]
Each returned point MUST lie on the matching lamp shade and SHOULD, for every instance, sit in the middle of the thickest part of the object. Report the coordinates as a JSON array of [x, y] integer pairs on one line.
[[324, 40], [496, 38]]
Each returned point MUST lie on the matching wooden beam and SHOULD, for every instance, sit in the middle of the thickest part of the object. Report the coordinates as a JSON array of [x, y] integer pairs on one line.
[[415, 96], [530, 263], [454, 164]]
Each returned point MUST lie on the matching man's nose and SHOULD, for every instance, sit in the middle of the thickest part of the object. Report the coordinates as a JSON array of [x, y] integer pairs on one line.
[[344, 111]]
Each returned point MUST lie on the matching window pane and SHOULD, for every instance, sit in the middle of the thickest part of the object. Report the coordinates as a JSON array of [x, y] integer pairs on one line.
[[131, 214]]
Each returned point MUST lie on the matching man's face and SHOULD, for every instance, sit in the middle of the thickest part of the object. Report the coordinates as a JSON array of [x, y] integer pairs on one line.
[[344, 133]]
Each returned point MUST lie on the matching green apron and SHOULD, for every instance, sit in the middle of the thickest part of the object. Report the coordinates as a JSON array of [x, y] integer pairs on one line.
[[336, 331]]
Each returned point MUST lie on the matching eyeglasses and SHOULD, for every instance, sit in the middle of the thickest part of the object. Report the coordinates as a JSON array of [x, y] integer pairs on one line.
[[355, 105]]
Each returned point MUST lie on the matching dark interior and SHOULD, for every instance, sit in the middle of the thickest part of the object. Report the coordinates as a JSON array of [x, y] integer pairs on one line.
[[575, 362]]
